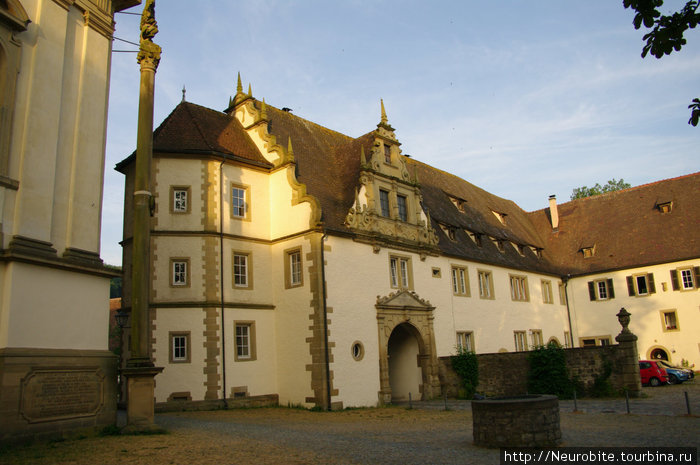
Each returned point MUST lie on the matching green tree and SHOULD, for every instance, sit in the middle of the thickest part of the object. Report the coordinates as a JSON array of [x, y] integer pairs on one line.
[[611, 186], [666, 34]]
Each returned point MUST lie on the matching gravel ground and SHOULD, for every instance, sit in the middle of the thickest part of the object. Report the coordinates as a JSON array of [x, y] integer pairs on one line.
[[392, 435]]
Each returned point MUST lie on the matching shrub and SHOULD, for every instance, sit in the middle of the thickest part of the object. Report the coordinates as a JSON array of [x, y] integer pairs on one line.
[[548, 373], [466, 366]]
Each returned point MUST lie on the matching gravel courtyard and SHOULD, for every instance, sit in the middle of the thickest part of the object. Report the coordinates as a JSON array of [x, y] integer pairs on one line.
[[393, 435]]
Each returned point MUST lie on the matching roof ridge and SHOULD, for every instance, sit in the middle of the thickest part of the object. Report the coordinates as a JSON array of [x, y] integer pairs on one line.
[[621, 191], [306, 120]]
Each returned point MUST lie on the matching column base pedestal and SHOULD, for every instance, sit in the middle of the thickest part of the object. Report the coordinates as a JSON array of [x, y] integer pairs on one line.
[[140, 403]]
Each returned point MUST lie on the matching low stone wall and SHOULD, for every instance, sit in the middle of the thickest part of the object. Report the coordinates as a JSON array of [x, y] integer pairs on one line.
[[505, 374], [270, 400], [528, 421]]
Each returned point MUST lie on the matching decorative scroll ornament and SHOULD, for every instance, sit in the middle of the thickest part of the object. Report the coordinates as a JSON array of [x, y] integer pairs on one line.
[[149, 52]]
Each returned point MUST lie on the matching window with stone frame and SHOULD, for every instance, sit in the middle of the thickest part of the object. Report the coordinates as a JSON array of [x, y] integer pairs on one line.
[[400, 272], [179, 347], [460, 281], [601, 289], [465, 341], [245, 341], [669, 320], [179, 272], [241, 270], [547, 296], [685, 279], [641, 284], [518, 288], [294, 275], [384, 209], [179, 199], [240, 200], [485, 284], [402, 203], [520, 338]]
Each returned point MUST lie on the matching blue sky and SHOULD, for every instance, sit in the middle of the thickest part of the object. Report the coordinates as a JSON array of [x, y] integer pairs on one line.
[[523, 99]]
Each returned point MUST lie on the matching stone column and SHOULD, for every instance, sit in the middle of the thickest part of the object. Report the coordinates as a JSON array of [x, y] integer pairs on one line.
[[139, 371], [630, 357]]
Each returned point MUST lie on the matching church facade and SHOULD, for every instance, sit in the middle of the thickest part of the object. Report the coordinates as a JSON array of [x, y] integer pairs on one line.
[[333, 271], [56, 373]]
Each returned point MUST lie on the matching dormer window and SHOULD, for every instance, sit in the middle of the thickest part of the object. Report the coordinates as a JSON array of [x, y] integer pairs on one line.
[[459, 203], [476, 237], [665, 207], [387, 153], [498, 243], [449, 231], [500, 216], [588, 252], [519, 248]]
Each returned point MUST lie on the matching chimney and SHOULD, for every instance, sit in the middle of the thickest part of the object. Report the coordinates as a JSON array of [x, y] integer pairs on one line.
[[553, 213]]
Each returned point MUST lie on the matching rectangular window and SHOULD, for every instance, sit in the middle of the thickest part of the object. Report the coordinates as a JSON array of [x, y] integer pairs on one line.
[[562, 294], [641, 284], [685, 279], [179, 199], [669, 320], [547, 296], [293, 268], [460, 281], [520, 341], [384, 203], [403, 210], [241, 270], [536, 336], [592, 341], [179, 272], [518, 288], [400, 272], [485, 285], [601, 290], [239, 202], [387, 153], [465, 341], [245, 340], [179, 347]]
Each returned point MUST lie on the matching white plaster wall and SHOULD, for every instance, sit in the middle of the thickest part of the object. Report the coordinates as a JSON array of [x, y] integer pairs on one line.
[[179, 377], [257, 223], [356, 276], [53, 318], [180, 172], [164, 248], [286, 218], [596, 318], [259, 375], [260, 272], [293, 307]]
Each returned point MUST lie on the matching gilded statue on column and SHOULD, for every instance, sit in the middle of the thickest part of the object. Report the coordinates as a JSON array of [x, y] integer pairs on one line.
[[149, 52]]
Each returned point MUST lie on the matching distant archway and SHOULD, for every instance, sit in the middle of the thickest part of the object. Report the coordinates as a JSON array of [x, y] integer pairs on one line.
[[405, 373], [407, 360]]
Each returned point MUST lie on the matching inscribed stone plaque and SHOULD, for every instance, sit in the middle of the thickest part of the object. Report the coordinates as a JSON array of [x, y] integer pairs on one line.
[[61, 394]]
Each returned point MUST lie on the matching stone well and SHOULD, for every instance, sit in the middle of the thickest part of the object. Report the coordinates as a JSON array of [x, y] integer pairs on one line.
[[524, 421]]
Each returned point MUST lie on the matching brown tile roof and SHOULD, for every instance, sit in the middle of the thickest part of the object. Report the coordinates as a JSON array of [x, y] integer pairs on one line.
[[626, 228], [195, 129]]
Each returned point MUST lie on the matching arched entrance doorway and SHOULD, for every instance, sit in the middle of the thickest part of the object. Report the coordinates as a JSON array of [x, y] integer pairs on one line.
[[407, 360], [405, 374]]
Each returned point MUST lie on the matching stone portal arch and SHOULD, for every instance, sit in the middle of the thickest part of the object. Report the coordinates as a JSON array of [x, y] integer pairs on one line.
[[409, 319], [658, 353]]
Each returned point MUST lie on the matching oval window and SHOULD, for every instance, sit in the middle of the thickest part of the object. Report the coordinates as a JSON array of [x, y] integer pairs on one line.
[[357, 350]]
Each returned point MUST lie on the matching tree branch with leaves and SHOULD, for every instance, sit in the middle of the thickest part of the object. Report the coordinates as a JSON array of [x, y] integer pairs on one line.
[[666, 35]]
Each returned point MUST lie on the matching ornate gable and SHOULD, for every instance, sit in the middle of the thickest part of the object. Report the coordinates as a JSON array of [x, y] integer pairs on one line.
[[388, 200], [403, 300]]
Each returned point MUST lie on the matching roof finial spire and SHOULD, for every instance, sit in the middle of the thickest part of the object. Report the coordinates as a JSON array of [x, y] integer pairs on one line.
[[363, 158], [384, 118], [183, 92], [263, 110], [250, 90], [239, 86]]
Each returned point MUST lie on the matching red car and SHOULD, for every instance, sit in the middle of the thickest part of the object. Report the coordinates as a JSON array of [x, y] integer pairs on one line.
[[652, 373]]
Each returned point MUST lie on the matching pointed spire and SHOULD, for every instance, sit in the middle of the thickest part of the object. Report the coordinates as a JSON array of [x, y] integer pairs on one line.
[[230, 101], [384, 118], [290, 150], [263, 110], [250, 90], [239, 86], [183, 92], [363, 158]]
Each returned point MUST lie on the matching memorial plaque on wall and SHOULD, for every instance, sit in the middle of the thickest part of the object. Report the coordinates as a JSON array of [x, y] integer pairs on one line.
[[60, 394]]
